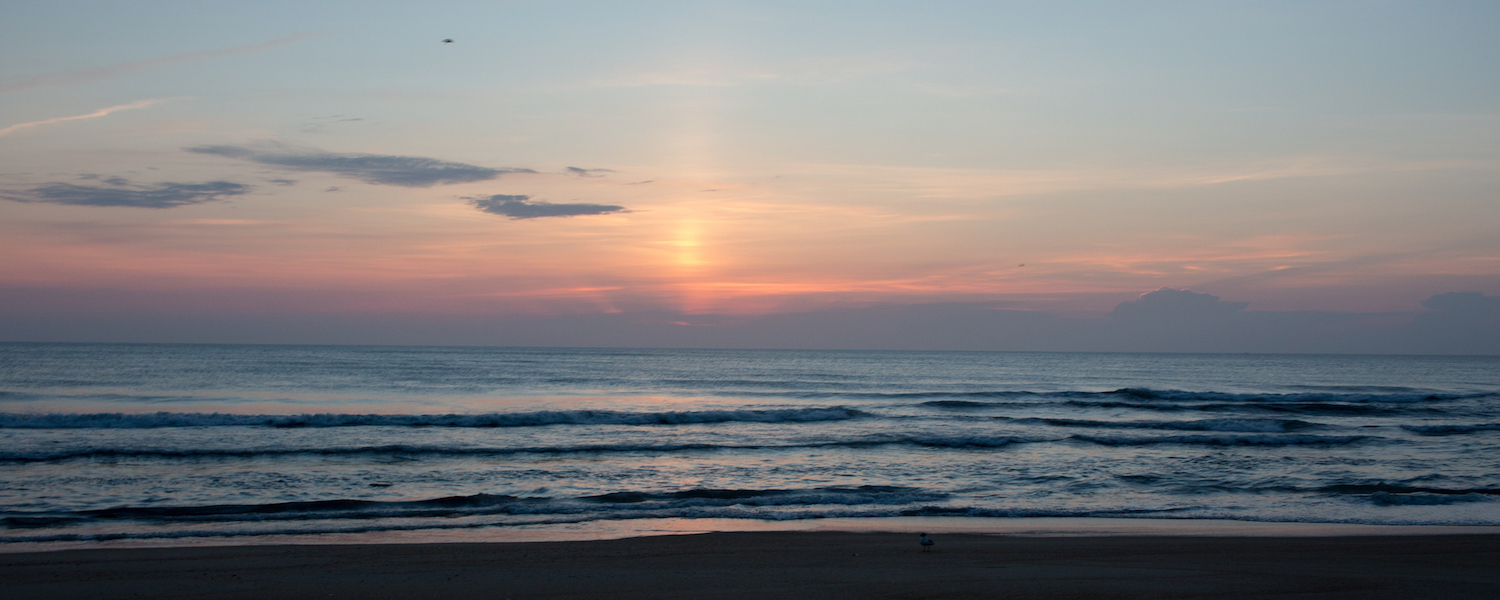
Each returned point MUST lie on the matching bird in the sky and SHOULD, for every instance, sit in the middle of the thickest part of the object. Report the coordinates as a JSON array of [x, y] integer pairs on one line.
[[448, 41]]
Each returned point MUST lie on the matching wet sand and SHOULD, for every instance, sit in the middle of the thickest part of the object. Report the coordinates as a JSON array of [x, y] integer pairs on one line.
[[784, 565]]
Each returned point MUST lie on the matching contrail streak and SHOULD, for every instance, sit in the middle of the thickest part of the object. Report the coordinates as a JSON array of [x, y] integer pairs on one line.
[[93, 115]]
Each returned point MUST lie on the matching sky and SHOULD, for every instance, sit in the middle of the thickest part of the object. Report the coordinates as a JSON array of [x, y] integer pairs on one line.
[[1073, 176]]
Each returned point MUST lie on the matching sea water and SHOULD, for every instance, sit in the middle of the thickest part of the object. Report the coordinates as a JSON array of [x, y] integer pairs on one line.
[[237, 443]]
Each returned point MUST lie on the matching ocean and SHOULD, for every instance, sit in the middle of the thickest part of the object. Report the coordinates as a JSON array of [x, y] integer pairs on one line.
[[237, 443]]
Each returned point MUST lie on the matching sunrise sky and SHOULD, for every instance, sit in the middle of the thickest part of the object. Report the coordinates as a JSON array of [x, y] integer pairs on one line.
[[759, 174]]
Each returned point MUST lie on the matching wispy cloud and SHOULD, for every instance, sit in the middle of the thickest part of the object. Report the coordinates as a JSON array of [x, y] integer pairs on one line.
[[120, 192], [379, 169], [581, 172], [97, 73], [517, 206], [93, 115]]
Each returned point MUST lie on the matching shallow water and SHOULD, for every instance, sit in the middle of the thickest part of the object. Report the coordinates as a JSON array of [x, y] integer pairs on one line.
[[140, 442]]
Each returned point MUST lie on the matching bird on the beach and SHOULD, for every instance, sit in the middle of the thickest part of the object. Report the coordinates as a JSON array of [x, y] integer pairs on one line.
[[926, 542]]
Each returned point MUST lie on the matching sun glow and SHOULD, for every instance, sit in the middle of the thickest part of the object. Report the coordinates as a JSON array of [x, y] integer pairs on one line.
[[687, 246]]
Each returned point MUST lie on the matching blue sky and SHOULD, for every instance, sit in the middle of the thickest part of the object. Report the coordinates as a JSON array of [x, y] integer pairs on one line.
[[671, 166]]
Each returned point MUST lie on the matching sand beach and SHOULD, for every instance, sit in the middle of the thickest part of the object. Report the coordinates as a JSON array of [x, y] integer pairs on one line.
[[791, 564]]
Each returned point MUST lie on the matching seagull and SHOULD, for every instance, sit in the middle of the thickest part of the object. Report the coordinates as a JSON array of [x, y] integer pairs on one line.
[[448, 41], [926, 542]]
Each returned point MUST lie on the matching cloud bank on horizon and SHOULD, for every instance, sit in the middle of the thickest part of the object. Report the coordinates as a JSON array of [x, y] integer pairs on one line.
[[1455, 323], [1173, 303], [820, 175]]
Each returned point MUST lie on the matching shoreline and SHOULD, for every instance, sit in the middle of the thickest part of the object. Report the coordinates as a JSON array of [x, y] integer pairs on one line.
[[641, 528], [786, 564]]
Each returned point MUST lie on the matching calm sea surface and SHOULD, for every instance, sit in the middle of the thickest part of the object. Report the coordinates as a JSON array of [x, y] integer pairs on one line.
[[142, 442]]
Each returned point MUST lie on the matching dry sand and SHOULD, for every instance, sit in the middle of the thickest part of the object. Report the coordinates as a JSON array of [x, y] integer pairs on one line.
[[780, 565]]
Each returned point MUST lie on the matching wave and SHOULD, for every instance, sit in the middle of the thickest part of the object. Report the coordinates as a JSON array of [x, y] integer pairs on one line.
[[1227, 440], [1382, 493], [532, 419], [488, 504], [302, 510], [390, 449], [1396, 494], [975, 398], [1320, 409], [1327, 409], [558, 514], [1354, 397], [1398, 488], [306, 528], [1425, 499], [976, 441], [1451, 429], [1228, 425], [494, 510], [1363, 403], [931, 441]]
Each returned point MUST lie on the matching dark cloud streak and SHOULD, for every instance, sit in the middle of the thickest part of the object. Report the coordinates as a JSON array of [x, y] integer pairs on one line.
[[521, 207], [378, 169], [581, 172], [122, 193]]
